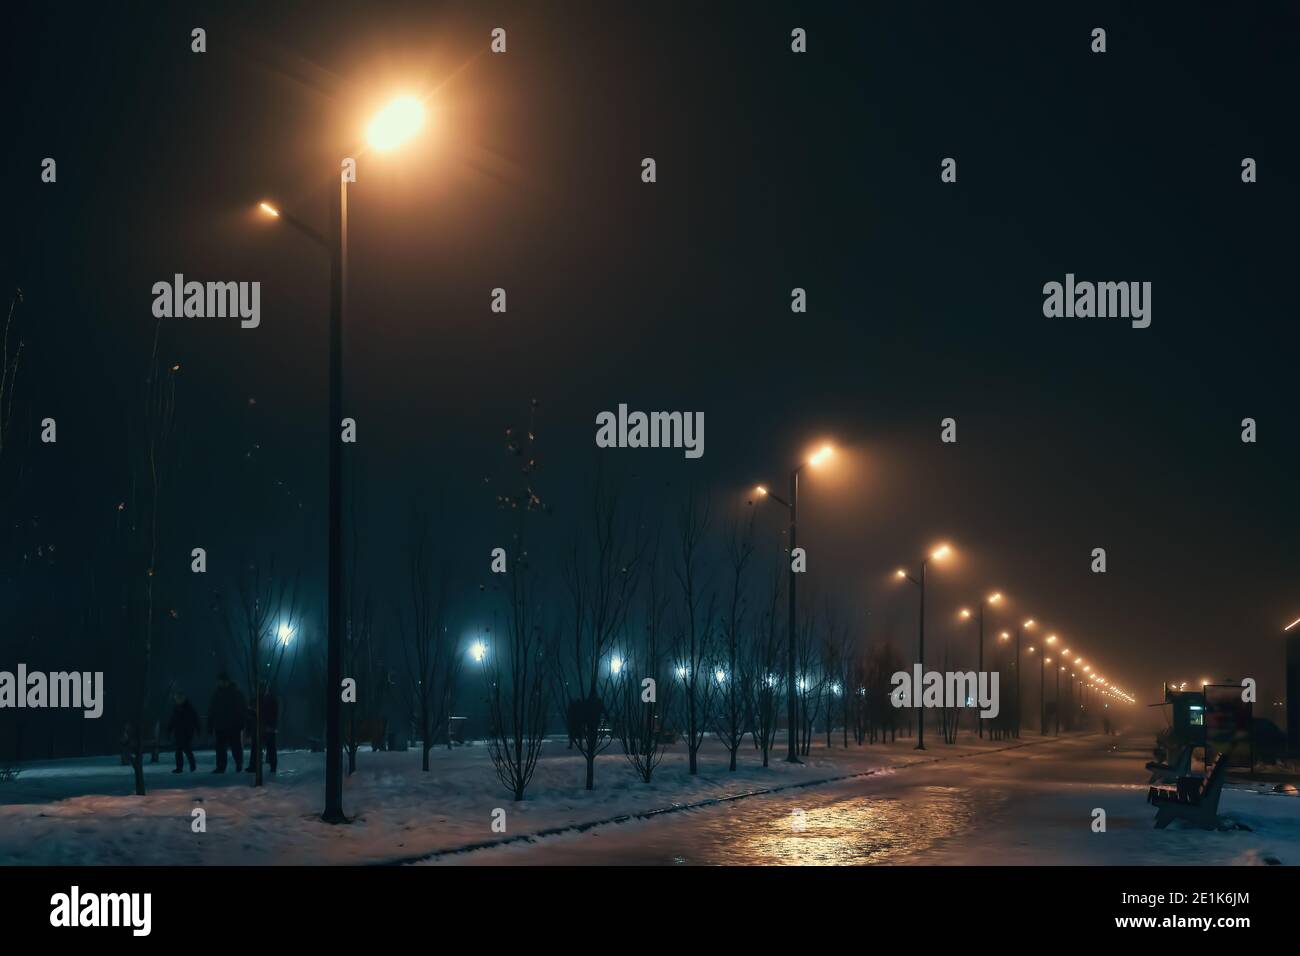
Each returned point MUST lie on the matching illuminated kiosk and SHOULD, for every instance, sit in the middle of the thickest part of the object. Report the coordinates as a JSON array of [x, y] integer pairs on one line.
[[1184, 733]]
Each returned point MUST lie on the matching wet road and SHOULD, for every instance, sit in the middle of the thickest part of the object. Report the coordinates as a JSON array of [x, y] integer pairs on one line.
[[916, 814]]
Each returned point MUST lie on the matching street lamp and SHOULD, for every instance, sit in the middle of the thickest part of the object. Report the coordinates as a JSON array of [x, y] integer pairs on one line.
[[816, 460], [1042, 695], [1058, 699], [937, 554], [478, 651], [993, 598], [1020, 632], [395, 123], [391, 127], [1042, 692]]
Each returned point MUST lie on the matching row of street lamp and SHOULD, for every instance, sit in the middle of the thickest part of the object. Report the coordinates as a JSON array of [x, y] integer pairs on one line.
[[395, 124]]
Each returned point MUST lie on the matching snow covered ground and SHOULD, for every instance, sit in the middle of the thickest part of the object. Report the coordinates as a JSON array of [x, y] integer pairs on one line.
[[972, 804]]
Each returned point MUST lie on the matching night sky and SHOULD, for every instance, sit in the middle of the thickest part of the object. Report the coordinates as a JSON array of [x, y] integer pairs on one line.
[[775, 170]]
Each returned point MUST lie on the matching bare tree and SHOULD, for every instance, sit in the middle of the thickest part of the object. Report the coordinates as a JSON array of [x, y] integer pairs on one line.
[[694, 626], [834, 654], [949, 716], [260, 628], [432, 664], [601, 585], [516, 671], [640, 707], [734, 689], [364, 661], [879, 694], [810, 678], [14, 478], [149, 475], [11, 355], [364, 719], [766, 686]]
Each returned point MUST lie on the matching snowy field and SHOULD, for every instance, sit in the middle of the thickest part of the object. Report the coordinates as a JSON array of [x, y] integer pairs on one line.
[[974, 802]]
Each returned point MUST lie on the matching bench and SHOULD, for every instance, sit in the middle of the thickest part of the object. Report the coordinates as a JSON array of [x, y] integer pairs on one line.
[[1194, 800], [1170, 772]]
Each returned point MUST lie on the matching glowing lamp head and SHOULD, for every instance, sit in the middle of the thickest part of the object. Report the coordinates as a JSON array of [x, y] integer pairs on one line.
[[1051, 638], [761, 490], [395, 123], [615, 664], [284, 633], [270, 210], [940, 552], [965, 613], [820, 456], [995, 597], [900, 573], [1029, 623], [1005, 636], [478, 651], [720, 675]]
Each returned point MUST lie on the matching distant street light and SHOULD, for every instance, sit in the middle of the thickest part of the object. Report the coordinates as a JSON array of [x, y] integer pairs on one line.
[[285, 633], [1020, 632], [1058, 699], [937, 554], [392, 126], [816, 460], [984, 602], [478, 651], [1042, 695]]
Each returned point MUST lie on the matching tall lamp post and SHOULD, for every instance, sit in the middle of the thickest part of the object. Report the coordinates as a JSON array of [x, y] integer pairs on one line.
[[984, 602], [1020, 633], [937, 554], [1292, 632], [1042, 695], [791, 690], [1065, 660], [1057, 698], [1042, 687], [391, 127]]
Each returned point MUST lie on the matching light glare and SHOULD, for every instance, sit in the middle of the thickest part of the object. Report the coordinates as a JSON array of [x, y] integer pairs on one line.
[[396, 123]]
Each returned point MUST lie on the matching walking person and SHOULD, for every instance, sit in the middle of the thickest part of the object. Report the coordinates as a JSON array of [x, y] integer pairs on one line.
[[226, 721], [270, 715], [183, 725]]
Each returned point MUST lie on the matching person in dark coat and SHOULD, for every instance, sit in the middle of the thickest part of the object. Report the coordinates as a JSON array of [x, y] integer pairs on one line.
[[183, 725], [226, 720], [270, 716]]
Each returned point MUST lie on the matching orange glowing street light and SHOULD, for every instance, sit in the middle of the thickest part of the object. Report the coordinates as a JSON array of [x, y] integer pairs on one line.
[[817, 458], [792, 714], [936, 554], [393, 125], [966, 614]]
